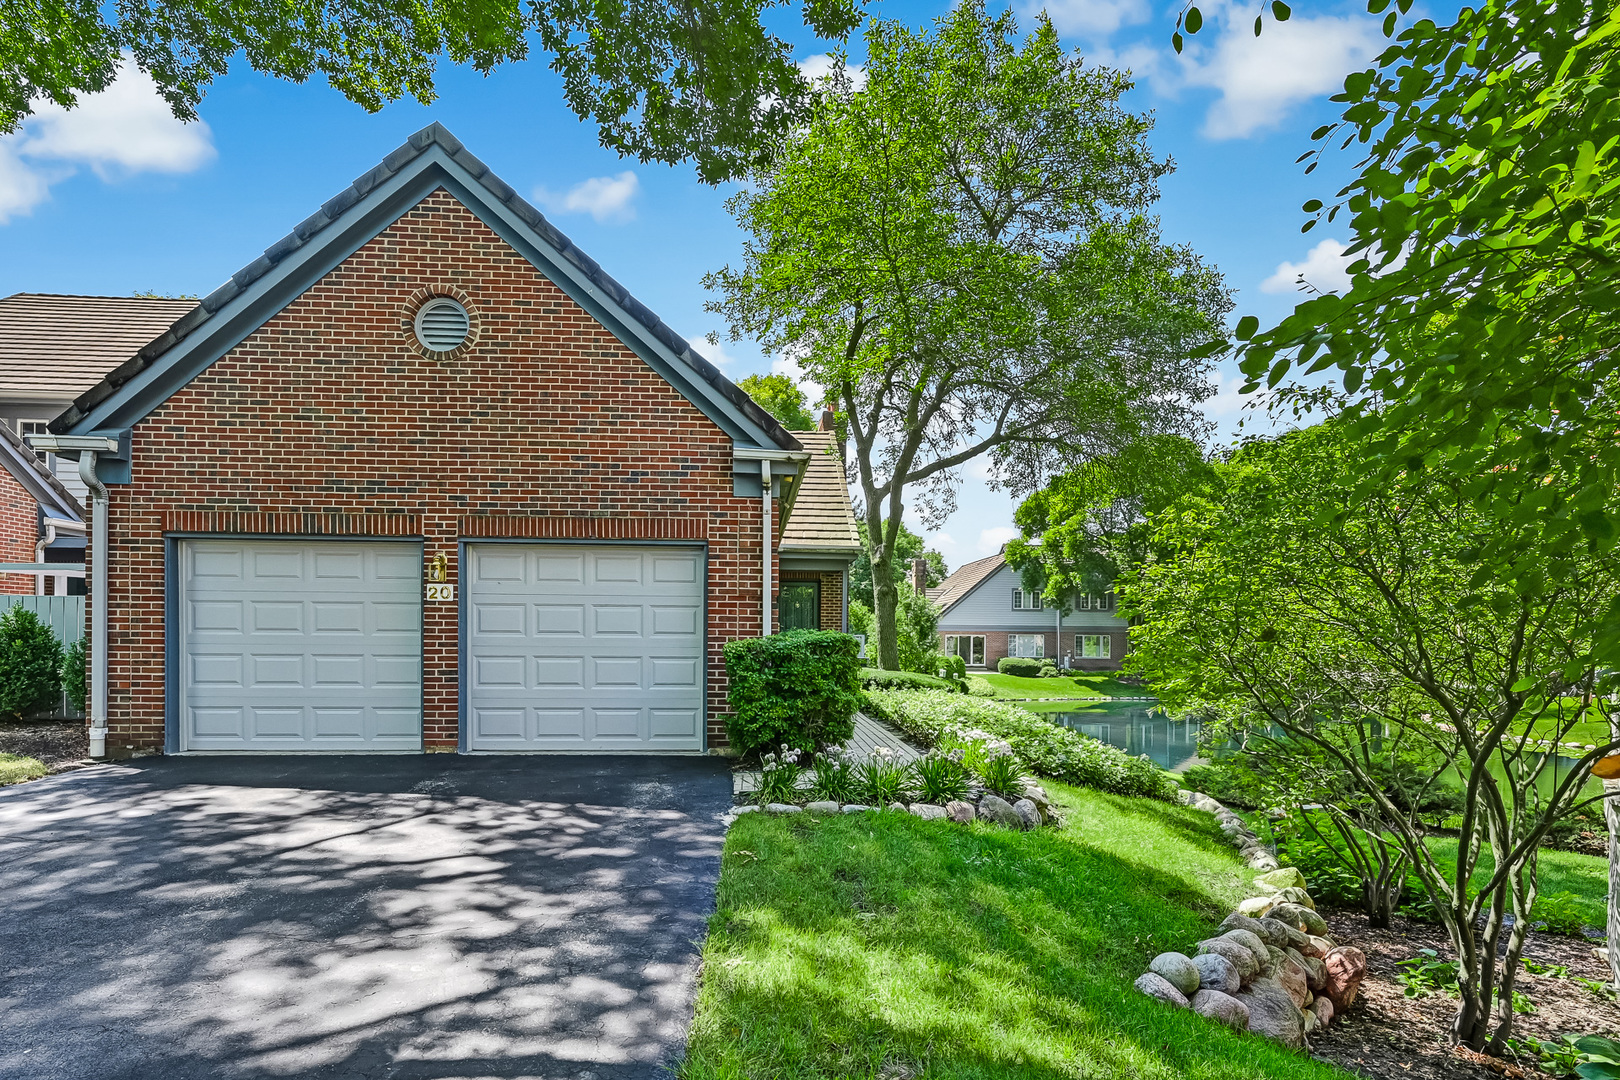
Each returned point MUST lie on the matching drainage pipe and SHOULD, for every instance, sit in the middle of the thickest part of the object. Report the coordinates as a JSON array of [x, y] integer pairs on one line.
[[51, 527], [765, 503], [98, 602]]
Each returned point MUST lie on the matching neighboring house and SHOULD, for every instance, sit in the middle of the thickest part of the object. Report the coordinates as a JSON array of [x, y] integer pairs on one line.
[[986, 615], [54, 348], [424, 477], [41, 524], [819, 542]]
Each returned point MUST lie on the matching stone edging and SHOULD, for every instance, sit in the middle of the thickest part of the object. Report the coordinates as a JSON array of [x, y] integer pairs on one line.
[[1255, 854], [1032, 811]]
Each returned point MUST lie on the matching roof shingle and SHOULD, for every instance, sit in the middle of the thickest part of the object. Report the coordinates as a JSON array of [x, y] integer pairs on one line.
[[56, 347], [822, 518], [965, 580]]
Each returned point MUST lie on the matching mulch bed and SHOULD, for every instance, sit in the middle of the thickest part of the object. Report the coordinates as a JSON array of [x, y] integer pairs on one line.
[[1386, 1034], [61, 744]]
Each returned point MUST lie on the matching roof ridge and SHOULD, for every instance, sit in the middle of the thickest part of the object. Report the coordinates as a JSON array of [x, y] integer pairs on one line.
[[331, 211]]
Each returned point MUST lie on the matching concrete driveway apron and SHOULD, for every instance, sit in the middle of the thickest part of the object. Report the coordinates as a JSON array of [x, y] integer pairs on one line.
[[423, 916]]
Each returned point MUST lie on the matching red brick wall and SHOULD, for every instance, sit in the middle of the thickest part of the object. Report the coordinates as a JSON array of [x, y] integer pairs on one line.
[[995, 648], [19, 532], [326, 420]]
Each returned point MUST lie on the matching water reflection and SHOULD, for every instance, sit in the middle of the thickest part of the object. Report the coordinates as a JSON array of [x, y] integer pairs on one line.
[[1135, 727]]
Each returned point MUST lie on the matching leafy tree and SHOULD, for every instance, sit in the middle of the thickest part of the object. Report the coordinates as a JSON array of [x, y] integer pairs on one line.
[[663, 81], [960, 253], [1089, 525], [908, 547], [1352, 622], [781, 397], [916, 640]]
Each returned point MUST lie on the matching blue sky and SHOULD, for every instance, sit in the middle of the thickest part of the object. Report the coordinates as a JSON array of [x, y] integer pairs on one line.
[[117, 197]]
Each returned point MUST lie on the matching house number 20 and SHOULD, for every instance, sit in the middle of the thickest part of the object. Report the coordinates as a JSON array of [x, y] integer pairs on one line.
[[439, 591]]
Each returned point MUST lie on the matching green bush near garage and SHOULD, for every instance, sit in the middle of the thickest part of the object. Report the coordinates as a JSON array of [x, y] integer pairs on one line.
[[799, 688], [30, 663]]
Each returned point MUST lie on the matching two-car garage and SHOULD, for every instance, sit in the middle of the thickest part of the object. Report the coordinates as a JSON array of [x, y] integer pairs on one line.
[[310, 645]]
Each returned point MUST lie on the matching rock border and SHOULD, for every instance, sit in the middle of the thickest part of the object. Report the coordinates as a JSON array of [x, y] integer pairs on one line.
[[1255, 854], [1030, 812]]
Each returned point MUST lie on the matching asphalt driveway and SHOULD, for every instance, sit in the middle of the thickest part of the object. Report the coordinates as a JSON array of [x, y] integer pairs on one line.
[[413, 916]]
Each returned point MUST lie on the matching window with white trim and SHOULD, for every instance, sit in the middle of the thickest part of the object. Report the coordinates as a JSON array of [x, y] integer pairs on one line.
[[1094, 602], [26, 428], [1024, 600], [1031, 646], [970, 647], [1095, 646]]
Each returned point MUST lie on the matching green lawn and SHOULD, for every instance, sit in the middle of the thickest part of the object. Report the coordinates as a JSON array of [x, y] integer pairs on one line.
[[15, 768], [1586, 877], [881, 945], [1103, 684]]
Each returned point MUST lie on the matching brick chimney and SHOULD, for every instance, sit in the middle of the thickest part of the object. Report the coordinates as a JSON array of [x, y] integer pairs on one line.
[[919, 574], [827, 420]]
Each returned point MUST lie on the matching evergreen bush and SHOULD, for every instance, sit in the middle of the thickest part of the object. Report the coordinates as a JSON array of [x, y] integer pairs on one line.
[[73, 673], [30, 663], [1021, 666], [798, 688]]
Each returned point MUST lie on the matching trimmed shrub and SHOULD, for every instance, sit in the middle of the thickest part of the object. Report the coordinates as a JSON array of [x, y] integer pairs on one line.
[[30, 663], [798, 688], [878, 679], [1048, 670], [73, 673], [1043, 747], [950, 667], [1023, 667]]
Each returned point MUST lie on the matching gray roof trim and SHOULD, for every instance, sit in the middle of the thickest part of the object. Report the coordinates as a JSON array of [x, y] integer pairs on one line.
[[430, 159], [18, 460]]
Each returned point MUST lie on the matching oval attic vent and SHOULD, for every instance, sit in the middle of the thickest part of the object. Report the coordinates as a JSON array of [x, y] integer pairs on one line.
[[442, 325]]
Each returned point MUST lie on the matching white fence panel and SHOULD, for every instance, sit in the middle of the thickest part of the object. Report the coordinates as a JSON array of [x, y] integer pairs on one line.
[[65, 616]]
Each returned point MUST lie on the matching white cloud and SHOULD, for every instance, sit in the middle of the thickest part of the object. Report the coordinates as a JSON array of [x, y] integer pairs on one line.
[[714, 351], [1262, 78], [941, 541], [822, 65], [605, 198], [1099, 17], [123, 130], [1324, 270], [990, 540]]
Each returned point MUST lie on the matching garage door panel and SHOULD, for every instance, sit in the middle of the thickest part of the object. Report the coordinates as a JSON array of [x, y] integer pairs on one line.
[[498, 671], [613, 636], [301, 645]]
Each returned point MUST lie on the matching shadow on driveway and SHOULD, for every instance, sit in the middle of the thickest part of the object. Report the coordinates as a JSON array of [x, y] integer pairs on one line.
[[412, 917]]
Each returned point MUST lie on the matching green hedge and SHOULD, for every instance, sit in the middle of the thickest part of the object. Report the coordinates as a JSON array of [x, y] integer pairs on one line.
[[878, 679], [30, 663], [1048, 750], [797, 688], [1018, 665]]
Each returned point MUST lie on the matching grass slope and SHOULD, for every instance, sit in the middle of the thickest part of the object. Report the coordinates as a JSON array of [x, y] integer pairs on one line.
[[882, 945], [14, 768], [1585, 877], [1102, 684]]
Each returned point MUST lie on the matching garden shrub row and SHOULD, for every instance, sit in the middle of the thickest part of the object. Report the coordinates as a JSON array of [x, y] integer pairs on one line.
[[929, 717], [878, 679]]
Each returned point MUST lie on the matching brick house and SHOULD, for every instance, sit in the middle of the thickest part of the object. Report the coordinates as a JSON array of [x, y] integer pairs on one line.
[[41, 525], [424, 477], [986, 615]]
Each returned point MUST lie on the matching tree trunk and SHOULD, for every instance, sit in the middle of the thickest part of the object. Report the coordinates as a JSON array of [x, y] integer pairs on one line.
[[1611, 818], [886, 602]]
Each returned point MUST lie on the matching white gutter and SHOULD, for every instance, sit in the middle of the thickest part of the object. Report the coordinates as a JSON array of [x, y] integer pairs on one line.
[[51, 526], [765, 570], [88, 446]]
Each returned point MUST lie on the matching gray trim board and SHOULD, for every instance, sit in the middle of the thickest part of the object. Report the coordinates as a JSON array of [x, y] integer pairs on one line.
[[432, 158]]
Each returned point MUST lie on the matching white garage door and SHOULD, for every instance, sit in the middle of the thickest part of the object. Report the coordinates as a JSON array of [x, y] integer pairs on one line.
[[584, 647], [293, 645]]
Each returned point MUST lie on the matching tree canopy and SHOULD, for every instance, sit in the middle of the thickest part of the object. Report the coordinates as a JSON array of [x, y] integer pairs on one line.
[[908, 546], [781, 397], [960, 251], [662, 81], [1291, 599]]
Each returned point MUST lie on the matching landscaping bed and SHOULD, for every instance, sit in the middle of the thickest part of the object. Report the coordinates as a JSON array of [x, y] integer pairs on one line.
[[1387, 1034], [52, 744]]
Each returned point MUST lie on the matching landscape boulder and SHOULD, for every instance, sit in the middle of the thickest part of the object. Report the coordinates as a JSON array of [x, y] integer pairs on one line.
[[855, 808], [1316, 972], [783, 808], [823, 807], [928, 811], [1287, 877], [1251, 941], [1238, 955], [1292, 977], [1318, 945], [1323, 1008], [1178, 970], [998, 811], [1155, 986], [1292, 937], [1272, 1013], [1294, 895], [1346, 967], [1216, 972], [1222, 1008], [960, 811], [1029, 815], [1256, 907], [1301, 918], [1239, 921]]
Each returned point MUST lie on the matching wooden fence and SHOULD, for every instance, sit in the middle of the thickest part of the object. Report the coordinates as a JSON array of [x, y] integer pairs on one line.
[[65, 616]]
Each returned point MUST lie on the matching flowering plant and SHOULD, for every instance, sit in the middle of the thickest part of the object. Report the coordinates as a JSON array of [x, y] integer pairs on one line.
[[880, 779], [833, 775], [779, 776], [942, 776]]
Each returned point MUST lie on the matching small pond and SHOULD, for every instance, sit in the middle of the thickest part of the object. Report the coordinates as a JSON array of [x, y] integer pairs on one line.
[[1134, 726]]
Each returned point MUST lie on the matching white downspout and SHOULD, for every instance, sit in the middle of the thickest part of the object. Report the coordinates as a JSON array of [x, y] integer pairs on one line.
[[98, 603], [39, 555], [765, 503]]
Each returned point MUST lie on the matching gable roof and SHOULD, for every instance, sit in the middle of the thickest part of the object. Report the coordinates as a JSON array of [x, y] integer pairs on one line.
[[431, 159], [822, 519], [26, 468], [968, 576], [54, 347]]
